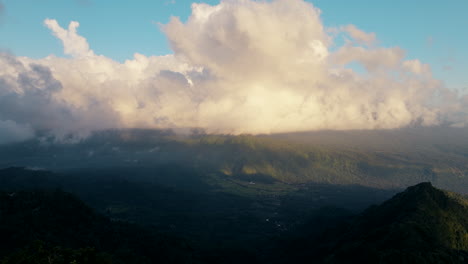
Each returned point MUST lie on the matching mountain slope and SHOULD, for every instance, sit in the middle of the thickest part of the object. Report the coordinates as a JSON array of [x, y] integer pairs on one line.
[[45, 226], [420, 225], [378, 159]]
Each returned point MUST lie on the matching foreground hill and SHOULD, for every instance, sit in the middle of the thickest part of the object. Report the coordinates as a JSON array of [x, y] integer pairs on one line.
[[55, 227], [186, 203], [420, 225]]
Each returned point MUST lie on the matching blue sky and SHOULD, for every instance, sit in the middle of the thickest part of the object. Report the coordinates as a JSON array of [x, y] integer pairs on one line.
[[431, 31]]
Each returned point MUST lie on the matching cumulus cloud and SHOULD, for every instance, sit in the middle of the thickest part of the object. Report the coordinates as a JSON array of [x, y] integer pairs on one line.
[[415, 66], [360, 36], [29, 99], [73, 44], [240, 66], [372, 59]]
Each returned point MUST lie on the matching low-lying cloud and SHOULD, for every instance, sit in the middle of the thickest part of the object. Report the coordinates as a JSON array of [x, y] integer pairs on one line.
[[238, 67]]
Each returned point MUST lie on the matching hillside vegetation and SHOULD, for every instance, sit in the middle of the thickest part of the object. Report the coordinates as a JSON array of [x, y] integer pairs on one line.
[[420, 225], [54, 227], [389, 159]]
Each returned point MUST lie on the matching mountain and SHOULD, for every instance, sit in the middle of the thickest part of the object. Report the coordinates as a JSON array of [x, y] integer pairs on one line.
[[420, 225], [214, 213], [56, 227], [377, 159]]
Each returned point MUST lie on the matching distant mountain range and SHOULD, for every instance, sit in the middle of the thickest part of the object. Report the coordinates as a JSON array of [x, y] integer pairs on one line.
[[378, 159]]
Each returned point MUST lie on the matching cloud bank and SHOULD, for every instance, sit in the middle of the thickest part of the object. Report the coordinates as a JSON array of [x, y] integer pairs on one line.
[[240, 66]]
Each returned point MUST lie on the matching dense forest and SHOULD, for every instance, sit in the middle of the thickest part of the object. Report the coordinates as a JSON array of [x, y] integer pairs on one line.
[[40, 223]]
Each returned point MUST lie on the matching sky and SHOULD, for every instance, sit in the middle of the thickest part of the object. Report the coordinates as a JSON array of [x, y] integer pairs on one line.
[[431, 31], [218, 62]]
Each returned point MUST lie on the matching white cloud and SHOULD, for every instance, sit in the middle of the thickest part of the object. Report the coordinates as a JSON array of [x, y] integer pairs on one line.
[[30, 96], [235, 37], [239, 67], [416, 67], [360, 36], [372, 59], [73, 44]]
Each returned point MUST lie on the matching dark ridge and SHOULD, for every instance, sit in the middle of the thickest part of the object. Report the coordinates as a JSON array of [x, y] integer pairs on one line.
[[56, 227], [420, 225]]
